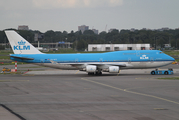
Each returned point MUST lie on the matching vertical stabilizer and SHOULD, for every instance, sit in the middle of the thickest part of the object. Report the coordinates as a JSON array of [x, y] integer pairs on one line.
[[19, 44]]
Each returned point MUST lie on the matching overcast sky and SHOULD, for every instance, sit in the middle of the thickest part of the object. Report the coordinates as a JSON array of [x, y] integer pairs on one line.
[[60, 15]]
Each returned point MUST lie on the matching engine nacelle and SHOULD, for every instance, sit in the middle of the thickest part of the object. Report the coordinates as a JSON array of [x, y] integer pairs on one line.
[[91, 68], [113, 69]]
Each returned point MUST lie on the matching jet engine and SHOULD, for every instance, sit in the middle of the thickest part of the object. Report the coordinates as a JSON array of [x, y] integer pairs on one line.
[[113, 69], [91, 68]]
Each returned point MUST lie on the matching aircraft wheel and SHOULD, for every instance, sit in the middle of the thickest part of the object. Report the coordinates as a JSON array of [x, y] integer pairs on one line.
[[90, 73], [166, 72], [153, 72], [99, 73]]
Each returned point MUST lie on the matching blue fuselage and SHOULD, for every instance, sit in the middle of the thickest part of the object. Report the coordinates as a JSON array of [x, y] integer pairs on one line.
[[117, 56]]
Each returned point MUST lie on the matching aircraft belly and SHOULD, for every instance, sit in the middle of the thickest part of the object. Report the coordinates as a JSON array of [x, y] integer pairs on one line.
[[145, 65], [141, 64], [135, 65], [157, 64]]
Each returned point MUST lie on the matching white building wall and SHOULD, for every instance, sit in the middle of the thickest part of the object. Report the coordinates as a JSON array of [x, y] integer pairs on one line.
[[103, 47]]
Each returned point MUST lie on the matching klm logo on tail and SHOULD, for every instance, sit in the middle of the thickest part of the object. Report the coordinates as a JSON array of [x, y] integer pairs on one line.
[[22, 46]]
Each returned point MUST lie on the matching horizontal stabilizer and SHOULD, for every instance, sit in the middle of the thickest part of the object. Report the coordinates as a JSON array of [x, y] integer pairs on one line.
[[22, 58]]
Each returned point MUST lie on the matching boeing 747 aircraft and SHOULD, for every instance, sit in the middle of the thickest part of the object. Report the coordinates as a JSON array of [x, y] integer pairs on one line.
[[92, 63]]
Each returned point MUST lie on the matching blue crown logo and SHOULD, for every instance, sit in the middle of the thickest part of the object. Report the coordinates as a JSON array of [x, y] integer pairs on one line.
[[21, 43]]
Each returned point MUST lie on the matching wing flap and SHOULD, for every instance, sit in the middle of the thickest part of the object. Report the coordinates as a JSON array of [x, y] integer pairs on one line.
[[101, 64], [97, 64], [85, 64]]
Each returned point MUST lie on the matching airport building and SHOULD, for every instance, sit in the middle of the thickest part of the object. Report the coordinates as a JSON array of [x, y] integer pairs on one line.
[[23, 27], [117, 47], [82, 28], [95, 31]]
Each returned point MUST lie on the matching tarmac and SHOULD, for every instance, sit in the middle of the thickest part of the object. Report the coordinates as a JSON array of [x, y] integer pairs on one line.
[[7, 115], [42, 93]]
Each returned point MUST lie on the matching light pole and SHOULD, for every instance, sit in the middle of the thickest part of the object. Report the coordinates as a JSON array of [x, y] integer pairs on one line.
[[66, 42]]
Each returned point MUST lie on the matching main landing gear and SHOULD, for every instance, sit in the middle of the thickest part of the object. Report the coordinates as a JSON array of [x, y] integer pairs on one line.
[[95, 73]]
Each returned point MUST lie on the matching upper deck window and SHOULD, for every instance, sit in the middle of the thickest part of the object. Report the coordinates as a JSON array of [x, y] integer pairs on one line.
[[144, 53], [129, 53]]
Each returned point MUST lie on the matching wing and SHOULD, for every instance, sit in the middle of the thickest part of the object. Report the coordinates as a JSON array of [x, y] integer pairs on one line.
[[79, 65], [102, 64]]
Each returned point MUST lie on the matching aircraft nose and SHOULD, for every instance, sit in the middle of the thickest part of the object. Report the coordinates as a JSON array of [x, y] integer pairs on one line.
[[171, 58]]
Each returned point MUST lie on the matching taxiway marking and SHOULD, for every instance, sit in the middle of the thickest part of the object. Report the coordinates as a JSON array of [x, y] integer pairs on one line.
[[14, 80], [77, 72], [125, 90]]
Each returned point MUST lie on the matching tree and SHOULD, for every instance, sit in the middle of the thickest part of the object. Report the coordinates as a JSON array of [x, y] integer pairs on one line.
[[81, 45], [2, 47], [81, 41], [88, 32]]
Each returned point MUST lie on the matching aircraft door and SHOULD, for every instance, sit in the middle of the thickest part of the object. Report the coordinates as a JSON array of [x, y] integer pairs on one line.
[[151, 59], [129, 60], [137, 53], [76, 60], [101, 60], [42, 60]]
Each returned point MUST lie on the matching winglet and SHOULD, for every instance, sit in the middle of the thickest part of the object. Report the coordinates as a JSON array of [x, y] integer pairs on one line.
[[19, 44]]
